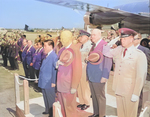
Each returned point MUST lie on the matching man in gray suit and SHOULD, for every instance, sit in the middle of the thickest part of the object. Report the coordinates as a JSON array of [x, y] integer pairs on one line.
[[137, 40]]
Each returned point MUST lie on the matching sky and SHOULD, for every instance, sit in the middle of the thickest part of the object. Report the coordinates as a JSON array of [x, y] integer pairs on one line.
[[16, 13]]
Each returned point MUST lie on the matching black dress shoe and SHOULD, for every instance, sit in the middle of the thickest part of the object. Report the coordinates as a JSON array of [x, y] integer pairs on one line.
[[79, 106], [45, 113], [94, 115], [84, 107]]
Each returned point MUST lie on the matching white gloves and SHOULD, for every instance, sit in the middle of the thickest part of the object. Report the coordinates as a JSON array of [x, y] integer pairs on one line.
[[59, 63], [73, 90], [134, 98], [113, 41]]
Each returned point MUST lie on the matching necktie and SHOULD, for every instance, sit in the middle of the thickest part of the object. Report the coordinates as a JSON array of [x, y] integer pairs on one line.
[[46, 55], [82, 46], [124, 53], [92, 47]]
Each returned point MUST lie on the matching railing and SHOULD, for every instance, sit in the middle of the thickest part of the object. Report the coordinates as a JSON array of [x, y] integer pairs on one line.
[[25, 85]]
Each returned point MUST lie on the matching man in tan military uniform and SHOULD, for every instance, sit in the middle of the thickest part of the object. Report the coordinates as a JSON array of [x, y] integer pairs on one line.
[[83, 88], [130, 73]]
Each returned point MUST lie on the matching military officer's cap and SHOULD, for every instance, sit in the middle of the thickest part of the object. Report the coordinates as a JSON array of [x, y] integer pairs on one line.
[[126, 32], [82, 32]]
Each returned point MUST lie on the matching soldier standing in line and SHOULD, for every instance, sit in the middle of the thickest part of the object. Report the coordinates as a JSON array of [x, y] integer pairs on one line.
[[2, 49], [9, 53], [83, 88], [14, 55], [4, 53]]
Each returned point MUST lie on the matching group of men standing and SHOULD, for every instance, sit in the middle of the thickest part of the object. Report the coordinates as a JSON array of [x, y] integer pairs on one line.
[[32, 57], [74, 72], [9, 51], [129, 77]]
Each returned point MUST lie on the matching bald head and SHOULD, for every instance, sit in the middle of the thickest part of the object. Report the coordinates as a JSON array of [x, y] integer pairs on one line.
[[95, 35], [29, 43]]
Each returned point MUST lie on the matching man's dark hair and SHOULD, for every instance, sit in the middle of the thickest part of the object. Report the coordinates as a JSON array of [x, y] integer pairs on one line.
[[39, 43], [50, 42], [39, 40], [144, 42], [24, 36], [49, 35]]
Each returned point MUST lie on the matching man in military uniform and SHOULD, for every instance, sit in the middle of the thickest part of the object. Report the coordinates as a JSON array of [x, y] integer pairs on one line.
[[4, 50], [130, 73], [9, 53], [83, 88], [14, 54]]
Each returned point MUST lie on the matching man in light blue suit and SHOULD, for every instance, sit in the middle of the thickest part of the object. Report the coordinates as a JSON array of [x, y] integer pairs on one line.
[[47, 77], [98, 73]]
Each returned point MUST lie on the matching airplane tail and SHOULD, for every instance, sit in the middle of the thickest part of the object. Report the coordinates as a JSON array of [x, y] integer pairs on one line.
[[26, 27]]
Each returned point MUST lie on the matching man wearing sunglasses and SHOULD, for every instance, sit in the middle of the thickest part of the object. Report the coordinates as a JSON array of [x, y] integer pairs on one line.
[[146, 51]]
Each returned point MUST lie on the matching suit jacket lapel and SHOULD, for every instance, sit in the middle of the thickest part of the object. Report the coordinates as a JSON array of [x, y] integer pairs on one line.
[[139, 47], [47, 59], [59, 53], [100, 43]]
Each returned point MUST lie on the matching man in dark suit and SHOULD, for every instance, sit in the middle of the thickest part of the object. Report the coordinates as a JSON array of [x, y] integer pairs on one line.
[[98, 73], [37, 59], [47, 77], [24, 50], [29, 57], [19, 43], [137, 40]]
